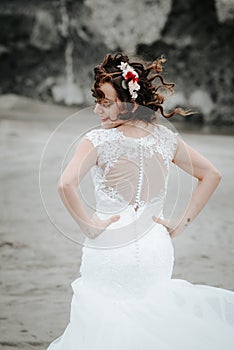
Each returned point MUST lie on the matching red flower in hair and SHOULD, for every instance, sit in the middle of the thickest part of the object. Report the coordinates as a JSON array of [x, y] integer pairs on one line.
[[131, 76]]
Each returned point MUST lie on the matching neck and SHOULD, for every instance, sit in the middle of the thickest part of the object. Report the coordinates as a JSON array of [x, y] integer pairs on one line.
[[136, 127], [135, 123]]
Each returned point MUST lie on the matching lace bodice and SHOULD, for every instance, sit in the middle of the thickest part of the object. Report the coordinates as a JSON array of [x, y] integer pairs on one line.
[[131, 171], [130, 178]]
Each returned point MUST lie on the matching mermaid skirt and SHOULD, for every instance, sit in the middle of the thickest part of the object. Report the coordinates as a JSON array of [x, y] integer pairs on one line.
[[127, 299]]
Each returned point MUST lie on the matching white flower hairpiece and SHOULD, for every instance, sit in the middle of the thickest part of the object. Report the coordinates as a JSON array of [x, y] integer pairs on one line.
[[131, 78]]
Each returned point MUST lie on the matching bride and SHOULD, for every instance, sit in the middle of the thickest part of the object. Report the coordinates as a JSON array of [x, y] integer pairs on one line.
[[125, 298]]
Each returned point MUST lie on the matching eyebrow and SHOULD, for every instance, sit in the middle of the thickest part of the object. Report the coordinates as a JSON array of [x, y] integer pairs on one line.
[[107, 99]]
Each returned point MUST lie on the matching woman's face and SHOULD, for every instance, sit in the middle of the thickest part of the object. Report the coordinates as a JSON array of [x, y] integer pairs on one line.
[[109, 109]]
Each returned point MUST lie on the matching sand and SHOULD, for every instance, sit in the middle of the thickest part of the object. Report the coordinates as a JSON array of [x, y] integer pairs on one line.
[[38, 264]]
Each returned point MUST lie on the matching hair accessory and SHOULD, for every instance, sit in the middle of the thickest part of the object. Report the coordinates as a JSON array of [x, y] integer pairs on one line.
[[131, 78]]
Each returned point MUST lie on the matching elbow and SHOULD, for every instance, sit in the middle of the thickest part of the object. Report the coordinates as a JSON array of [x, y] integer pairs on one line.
[[214, 175], [217, 174], [64, 186], [60, 189], [60, 186]]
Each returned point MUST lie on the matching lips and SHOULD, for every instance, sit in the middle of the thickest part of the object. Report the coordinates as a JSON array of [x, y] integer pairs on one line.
[[104, 119]]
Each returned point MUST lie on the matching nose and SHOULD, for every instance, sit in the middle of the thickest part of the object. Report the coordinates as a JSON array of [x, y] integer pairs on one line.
[[98, 108]]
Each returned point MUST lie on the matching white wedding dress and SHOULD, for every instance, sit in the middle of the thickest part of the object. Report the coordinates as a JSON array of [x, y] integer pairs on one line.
[[125, 298]]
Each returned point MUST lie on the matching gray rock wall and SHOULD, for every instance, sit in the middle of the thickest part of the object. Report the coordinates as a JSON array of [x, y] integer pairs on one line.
[[124, 24], [225, 10], [48, 49]]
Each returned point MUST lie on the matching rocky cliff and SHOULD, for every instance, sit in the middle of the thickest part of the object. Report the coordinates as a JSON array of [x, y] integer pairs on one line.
[[48, 49]]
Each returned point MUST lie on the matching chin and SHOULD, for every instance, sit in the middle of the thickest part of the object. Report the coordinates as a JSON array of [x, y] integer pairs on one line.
[[107, 125]]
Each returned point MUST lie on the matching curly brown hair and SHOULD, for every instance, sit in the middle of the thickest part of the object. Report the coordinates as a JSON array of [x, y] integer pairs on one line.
[[150, 95]]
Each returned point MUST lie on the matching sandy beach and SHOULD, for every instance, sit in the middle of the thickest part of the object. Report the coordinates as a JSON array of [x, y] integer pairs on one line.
[[38, 264]]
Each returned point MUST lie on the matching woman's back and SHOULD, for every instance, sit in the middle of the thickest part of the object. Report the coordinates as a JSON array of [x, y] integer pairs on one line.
[[132, 170]]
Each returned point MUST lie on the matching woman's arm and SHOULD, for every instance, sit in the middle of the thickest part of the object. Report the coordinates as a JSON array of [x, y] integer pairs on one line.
[[85, 157], [208, 178]]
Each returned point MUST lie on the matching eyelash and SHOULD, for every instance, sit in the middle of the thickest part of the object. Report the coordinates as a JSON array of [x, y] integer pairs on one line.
[[105, 104]]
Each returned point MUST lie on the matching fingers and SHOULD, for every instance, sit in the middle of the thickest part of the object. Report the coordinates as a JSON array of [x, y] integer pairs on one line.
[[158, 220], [162, 222], [113, 218]]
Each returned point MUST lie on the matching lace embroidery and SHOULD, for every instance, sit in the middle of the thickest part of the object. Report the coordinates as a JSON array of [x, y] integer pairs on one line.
[[162, 140], [113, 194], [167, 144], [112, 143]]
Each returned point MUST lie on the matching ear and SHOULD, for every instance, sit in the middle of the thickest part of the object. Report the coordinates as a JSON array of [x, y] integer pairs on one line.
[[135, 107]]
